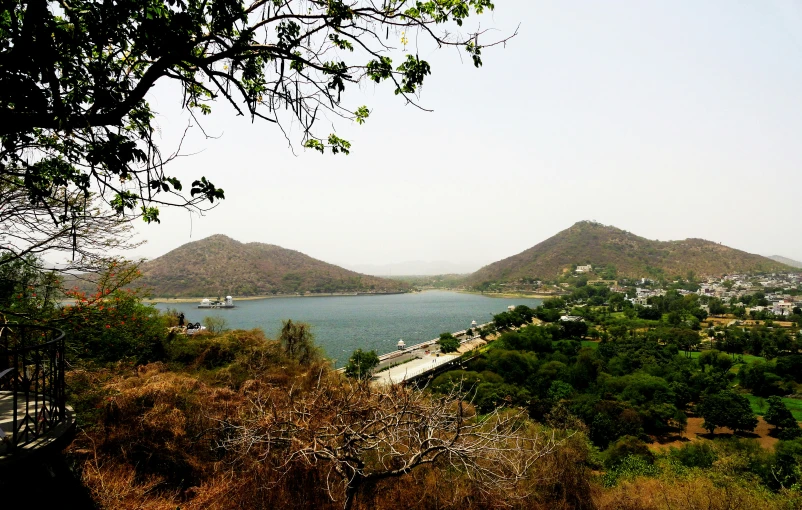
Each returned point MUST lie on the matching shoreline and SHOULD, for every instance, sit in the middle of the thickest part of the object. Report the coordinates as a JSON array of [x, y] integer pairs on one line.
[[168, 300], [508, 295], [497, 295]]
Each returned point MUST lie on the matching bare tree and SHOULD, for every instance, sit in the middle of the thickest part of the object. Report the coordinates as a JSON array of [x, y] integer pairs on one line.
[[83, 233], [362, 434]]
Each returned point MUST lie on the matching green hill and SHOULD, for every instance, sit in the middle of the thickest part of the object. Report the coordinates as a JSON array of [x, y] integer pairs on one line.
[[219, 265], [631, 256]]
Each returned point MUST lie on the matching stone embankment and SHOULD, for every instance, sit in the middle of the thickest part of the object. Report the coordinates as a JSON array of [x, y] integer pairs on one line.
[[415, 360]]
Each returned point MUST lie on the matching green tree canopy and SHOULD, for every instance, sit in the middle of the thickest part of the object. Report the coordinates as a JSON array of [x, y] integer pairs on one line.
[[74, 115], [361, 364], [781, 418], [727, 409], [448, 343]]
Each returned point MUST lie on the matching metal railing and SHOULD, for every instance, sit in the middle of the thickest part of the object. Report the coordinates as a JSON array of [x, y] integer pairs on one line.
[[32, 378]]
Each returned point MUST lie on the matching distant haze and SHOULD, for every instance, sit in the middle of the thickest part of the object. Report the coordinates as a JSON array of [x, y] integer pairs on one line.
[[413, 267], [786, 260], [670, 119]]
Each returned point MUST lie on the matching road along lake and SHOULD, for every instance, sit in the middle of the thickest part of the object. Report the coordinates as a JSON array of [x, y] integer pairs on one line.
[[343, 324]]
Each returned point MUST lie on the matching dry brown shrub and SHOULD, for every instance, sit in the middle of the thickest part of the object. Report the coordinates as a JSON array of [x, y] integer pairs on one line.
[[154, 439], [150, 369], [156, 445], [559, 481], [116, 485], [694, 492], [167, 417]]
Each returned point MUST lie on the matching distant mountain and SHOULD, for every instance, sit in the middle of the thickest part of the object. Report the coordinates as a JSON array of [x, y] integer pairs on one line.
[[219, 265], [632, 256], [786, 261], [414, 268]]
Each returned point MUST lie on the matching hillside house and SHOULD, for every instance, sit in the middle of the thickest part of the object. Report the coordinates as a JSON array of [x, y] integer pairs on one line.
[[782, 307], [584, 269]]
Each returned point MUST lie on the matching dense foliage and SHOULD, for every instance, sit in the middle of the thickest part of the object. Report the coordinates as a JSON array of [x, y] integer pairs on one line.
[[640, 377]]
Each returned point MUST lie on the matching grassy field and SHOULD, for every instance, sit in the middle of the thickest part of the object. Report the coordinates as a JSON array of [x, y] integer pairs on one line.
[[585, 343], [746, 358], [759, 405]]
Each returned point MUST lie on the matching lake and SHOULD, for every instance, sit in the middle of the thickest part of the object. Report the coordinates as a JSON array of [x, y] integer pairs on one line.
[[342, 324]]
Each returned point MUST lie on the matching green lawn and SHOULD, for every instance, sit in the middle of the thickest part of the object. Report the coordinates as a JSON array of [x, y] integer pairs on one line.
[[759, 405], [746, 358], [585, 343]]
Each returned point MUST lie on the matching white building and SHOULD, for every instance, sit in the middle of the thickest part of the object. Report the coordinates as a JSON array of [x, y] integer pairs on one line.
[[782, 307]]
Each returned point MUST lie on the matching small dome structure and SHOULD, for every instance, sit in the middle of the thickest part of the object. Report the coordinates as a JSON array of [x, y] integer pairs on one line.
[[401, 345]]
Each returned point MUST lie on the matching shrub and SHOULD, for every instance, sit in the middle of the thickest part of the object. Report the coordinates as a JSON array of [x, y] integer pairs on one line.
[[462, 380], [695, 454], [112, 324], [215, 324], [630, 467], [626, 447], [209, 351], [113, 327], [298, 342]]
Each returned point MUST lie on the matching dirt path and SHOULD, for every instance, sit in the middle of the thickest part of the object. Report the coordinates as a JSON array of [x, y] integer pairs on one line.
[[694, 432]]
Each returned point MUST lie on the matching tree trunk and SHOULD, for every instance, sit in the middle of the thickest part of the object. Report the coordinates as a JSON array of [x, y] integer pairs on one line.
[[350, 496]]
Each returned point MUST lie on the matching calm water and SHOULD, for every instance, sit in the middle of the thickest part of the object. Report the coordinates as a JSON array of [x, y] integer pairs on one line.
[[343, 324]]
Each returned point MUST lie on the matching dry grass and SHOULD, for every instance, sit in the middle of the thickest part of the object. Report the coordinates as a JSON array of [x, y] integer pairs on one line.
[[725, 320], [695, 492], [153, 446], [695, 432]]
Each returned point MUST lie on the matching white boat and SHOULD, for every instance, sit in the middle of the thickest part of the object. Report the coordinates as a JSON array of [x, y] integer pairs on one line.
[[208, 303]]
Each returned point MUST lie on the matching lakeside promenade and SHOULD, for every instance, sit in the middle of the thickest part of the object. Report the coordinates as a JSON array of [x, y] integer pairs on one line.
[[416, 360]]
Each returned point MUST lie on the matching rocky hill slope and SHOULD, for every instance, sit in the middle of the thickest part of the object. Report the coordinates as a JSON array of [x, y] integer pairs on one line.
[[630, 255], [219, 266]]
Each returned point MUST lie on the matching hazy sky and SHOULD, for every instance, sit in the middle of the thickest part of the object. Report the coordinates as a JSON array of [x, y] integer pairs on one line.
[[670, 120]]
